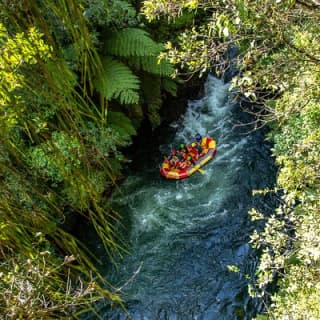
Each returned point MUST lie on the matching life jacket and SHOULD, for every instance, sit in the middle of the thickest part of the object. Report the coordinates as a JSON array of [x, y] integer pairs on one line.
[[193, 152], [184, 154], [174, 160], [184, 164]]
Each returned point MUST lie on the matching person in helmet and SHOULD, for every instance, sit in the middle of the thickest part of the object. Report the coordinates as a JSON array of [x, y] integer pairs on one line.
[[198, 144], [185, 164], [183, 151], [193, 151], [198, 137], [174, 158], [190, 160], [205, 143]]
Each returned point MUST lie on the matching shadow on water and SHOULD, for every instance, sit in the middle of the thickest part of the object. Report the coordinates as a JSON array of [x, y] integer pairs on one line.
[[184, 234]]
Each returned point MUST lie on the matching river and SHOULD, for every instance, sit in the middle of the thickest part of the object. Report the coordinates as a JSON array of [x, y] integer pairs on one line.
[[182, 235]]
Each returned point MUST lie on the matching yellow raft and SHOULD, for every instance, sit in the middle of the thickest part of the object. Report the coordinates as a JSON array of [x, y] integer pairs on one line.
[[208, 153]]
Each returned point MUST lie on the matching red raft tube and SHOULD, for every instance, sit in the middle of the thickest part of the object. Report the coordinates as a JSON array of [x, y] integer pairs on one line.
[[178, 174]]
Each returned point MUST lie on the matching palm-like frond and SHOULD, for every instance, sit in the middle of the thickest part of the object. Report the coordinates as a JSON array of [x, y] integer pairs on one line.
[[118, 82], [122, 125], [169, 85], [131, 42], [151, 64], [152, 97], [139, 50]]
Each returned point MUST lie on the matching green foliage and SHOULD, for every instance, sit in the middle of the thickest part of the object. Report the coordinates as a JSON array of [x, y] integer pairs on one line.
[[116, 13], [290, 239], [118, 82], [152, 65], [152, 96], [153, 9], [131, 42], [200, 45], [47, 171], [31, 286], [17, 53], [170, 86], [60, 147], [131, 52], [257, 29], [122, 125], [139, 49], [164, 30], [62, 152], [279, 63]]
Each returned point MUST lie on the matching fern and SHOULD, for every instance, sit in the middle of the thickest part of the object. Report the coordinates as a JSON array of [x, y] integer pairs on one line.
[[121, 124], [152, 97], [151, 64], [170, 86], [118, 82], [140, 50], [131, 42]]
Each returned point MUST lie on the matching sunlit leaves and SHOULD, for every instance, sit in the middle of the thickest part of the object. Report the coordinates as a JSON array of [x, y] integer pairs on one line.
[[17, 53], [172, 8], [279, 49], [47, 169], [293, 233], [195, 49], [30, 287]]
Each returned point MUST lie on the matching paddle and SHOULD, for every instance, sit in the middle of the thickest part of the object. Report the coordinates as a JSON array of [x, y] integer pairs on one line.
[[201, 171]]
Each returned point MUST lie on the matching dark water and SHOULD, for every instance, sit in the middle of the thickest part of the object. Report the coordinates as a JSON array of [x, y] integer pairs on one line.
[[184, 234]]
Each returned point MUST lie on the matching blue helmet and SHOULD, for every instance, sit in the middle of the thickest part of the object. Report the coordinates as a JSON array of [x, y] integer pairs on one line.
[[198, 137]]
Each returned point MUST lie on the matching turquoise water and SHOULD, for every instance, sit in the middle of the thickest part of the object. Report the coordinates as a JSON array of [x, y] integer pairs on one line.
[[184, 234]]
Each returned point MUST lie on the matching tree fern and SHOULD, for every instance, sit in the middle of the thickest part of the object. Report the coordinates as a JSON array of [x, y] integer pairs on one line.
[[152, 97], [131, 42], [151, 64], [118, 82], [121, 124], [169, 85], [140, 51]]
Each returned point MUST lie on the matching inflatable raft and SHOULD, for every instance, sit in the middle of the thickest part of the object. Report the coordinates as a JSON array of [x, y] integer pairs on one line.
[[173, 173]]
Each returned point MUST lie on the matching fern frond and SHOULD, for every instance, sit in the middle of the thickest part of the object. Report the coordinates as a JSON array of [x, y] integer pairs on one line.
[[121, 124], [170, 86], [152, 65], [150, 86], [152, 97], [118, 82], [131, 42]]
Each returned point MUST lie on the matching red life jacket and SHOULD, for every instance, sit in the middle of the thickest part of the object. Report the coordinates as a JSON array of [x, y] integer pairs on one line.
[[193, 152]]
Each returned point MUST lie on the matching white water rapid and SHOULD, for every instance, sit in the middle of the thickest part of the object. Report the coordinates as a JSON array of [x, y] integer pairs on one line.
[[182, 235]]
